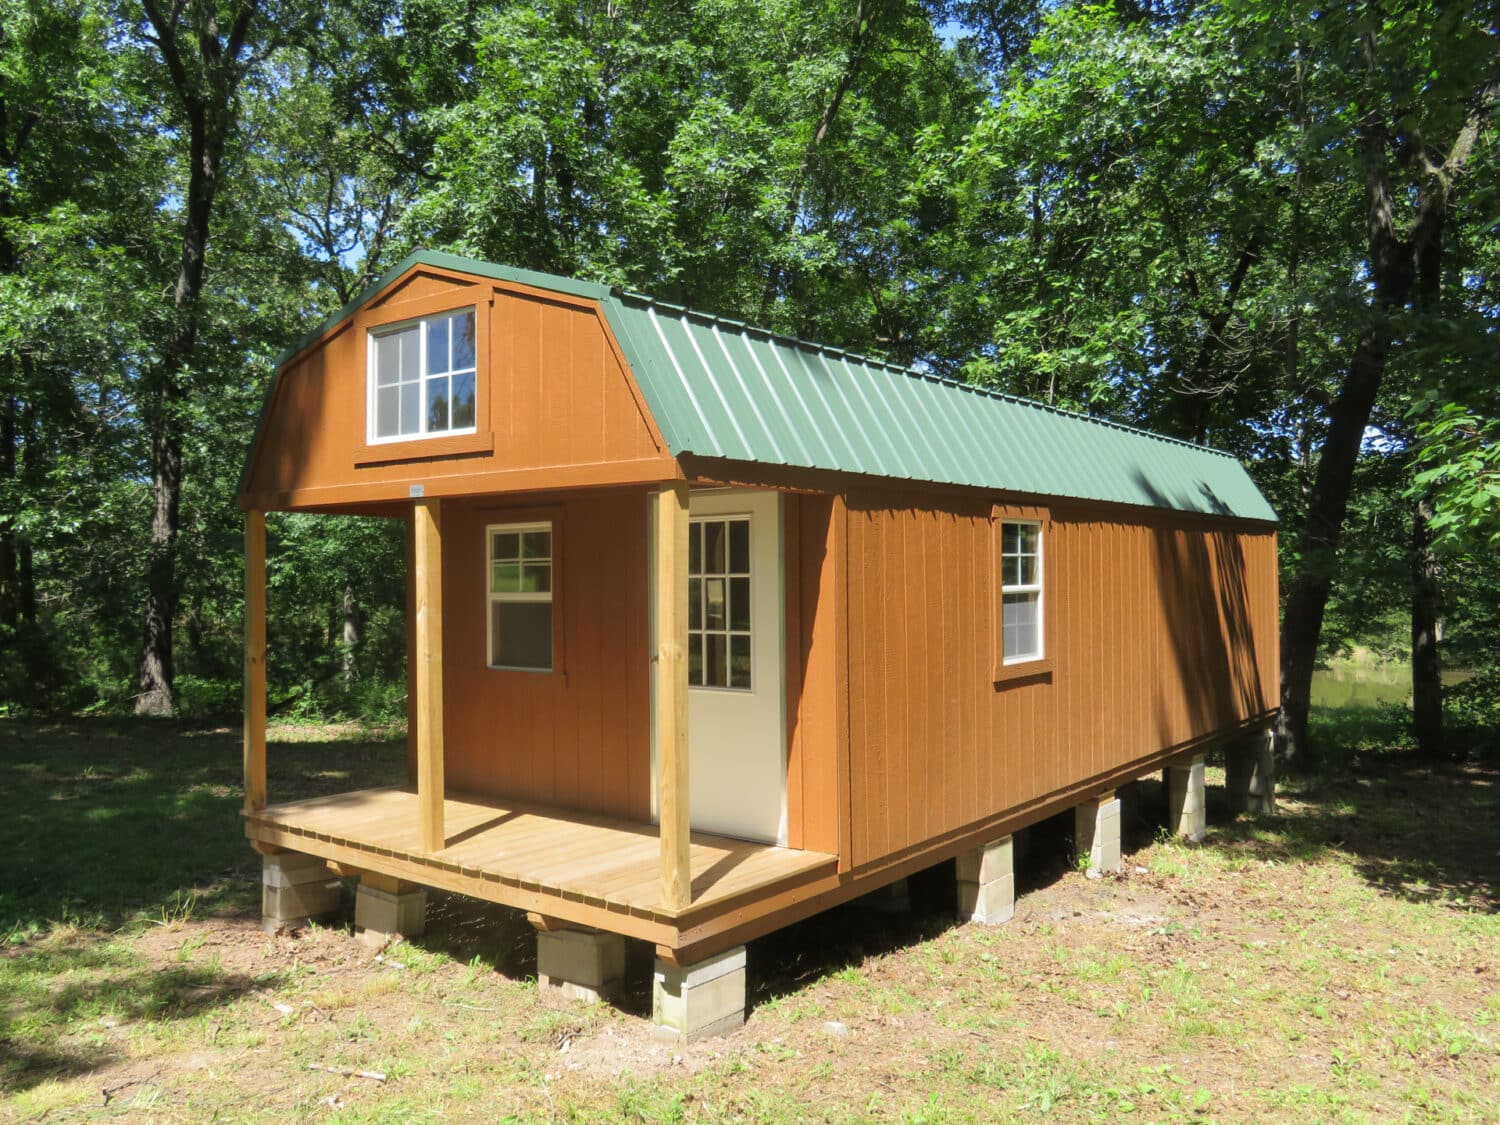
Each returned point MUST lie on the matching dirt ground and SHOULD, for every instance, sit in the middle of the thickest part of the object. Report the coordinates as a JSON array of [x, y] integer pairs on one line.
[[1336, 963]]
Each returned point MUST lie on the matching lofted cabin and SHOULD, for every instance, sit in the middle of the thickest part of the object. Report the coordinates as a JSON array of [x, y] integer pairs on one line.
[[711, 629]]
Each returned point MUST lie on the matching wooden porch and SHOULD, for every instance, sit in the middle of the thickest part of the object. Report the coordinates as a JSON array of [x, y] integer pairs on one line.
[[587, 870]]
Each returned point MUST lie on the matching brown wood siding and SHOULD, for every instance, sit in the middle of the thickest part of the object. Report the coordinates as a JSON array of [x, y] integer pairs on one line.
[[556, 406], [815, 718], [578, 737], [1160, 634]]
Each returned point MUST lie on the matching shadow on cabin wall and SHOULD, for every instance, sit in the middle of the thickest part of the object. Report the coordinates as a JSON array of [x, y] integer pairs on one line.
[[1203, 583]]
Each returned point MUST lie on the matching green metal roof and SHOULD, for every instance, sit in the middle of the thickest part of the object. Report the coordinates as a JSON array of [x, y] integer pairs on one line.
[[718, 388]]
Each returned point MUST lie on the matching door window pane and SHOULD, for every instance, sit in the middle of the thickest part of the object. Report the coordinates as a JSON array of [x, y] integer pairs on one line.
[[739, 660], [739, 604], [719, 599], [717, 671]]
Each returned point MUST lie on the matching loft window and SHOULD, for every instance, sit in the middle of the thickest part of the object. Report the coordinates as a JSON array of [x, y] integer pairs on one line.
[[520, 596], [422, 378], [1021, 590], [719, 602]]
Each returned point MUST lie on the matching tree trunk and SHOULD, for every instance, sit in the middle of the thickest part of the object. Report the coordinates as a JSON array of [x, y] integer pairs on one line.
[[351, 634], [1426, 659], [1307, 597], [10, 607], [154, 683], [206, 85]]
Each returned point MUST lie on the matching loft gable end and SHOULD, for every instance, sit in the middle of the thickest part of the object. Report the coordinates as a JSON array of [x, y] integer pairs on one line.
[[553, 402]]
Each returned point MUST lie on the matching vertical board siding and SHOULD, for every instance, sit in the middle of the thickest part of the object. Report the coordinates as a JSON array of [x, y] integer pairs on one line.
[[552, 391], [1159, 635], [577, 737]]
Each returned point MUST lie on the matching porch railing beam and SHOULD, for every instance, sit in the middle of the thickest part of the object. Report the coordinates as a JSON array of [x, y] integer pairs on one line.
[[670, 612], [255, 661], [427, 580]]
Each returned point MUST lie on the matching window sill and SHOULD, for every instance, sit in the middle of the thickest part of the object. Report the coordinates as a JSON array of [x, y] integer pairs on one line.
[[1026, 671], [424, 449], [556, 674]]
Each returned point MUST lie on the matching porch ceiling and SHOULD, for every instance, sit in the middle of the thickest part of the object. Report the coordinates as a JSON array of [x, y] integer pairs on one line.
[[593, 871]]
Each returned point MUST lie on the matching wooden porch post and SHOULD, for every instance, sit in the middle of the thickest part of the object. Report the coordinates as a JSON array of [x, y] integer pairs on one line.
[[427, 578], [670, 612], [255, 661]]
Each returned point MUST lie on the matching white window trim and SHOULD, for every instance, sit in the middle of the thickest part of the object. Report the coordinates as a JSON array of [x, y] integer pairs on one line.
[[372, 356], [1038, 588], [533, 597]]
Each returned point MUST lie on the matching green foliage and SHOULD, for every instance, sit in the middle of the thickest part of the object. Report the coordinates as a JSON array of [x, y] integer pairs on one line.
[[1154, 214], [1474, 709]]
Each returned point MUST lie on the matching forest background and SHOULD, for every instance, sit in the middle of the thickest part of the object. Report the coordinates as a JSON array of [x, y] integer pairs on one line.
[[1271, 227]]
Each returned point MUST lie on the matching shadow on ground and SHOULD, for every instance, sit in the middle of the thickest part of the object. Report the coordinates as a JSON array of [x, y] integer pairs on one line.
[[110, 820], [84, 984]]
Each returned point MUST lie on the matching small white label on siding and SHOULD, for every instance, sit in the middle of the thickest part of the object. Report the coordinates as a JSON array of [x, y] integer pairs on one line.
[[417, 490]]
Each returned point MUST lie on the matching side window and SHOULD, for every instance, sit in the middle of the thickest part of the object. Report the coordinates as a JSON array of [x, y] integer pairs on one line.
[[422, 378], [520, 596], [1021, 590]]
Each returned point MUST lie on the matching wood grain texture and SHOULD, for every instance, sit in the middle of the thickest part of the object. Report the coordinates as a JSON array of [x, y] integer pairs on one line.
[[578, 736], [1158, 636], [557, 406], [669, 610], [427, 581], [255, 661], [599, 871]]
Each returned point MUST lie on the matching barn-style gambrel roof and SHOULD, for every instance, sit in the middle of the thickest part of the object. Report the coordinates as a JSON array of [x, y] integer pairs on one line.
[[719, 388]]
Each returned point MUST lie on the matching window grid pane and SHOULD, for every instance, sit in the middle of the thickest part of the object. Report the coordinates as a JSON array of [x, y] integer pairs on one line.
[[520, 596], [719, 599], [423, 378], [1021, 591]]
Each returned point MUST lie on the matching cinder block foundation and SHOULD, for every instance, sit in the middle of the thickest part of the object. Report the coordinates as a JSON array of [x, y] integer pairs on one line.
[[696, 1001], [384, 912], [579, 965], [1096, 832], [987, 883], [1250, 771], [295, 890], [1187, 807]]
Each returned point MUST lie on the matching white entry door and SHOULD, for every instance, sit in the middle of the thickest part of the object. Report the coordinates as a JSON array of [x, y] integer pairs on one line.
[[736, 669]]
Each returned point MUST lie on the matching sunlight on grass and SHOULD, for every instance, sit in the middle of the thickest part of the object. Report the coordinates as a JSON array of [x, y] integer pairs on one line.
[[1334, 963]]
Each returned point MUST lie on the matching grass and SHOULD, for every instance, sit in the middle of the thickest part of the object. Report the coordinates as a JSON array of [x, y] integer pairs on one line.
[[1338, 963]]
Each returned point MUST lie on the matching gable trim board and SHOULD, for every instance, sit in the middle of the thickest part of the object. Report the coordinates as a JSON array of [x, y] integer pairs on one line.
[[718, 389]]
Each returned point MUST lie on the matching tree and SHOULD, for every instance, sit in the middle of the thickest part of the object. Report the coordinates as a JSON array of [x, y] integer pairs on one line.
[[206, 51], [1216, 220], [1424, 92]]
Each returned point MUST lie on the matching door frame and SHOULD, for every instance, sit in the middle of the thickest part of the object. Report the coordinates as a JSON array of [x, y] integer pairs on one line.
[[783, 741]]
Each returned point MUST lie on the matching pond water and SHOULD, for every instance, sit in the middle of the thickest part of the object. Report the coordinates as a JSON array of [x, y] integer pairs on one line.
[[1369, 685]]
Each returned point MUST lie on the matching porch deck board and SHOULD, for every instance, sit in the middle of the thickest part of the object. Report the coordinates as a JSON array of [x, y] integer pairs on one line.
[[614, 864]]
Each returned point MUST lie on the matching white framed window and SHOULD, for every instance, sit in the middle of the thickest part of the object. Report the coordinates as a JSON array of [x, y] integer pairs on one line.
[[719, 635], [421, 379], [519, 576], [1021, 591]]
